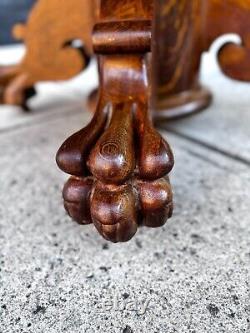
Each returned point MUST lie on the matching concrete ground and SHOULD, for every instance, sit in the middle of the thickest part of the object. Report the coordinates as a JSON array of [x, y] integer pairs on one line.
[[191, 276]]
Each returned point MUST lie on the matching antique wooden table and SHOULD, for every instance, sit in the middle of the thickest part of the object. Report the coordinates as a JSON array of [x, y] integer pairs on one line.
[[200, 257], [148, 54]]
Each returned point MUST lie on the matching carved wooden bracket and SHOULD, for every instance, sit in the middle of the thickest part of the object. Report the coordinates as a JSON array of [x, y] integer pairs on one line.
[[119, 160]]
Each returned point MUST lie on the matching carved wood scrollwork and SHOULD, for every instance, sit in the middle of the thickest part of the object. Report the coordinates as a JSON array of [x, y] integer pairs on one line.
[[231, 16], [119, 161], [51, 53]]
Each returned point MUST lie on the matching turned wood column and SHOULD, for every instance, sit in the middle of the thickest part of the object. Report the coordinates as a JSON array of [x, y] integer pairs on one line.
[[177, 49]]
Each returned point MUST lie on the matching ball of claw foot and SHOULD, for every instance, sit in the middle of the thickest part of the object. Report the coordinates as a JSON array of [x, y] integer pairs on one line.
[[76, 195], [114, 213], [118, 210]]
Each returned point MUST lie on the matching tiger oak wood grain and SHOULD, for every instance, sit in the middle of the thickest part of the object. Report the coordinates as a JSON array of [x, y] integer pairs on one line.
[[184, 29]]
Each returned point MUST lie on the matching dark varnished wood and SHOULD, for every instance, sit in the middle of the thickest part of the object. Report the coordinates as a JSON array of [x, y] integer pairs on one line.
[[149, 54], [118, 210], [74, 152], [130, 159], [76, 195], [155, 158], [156, 202], [112, 160], [114, 211]]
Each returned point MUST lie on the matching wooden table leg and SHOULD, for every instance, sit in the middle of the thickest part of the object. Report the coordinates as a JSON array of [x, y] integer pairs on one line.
[[119, 162]]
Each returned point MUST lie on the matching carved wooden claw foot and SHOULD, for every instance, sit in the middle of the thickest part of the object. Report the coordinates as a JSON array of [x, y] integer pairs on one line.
[[118, 163]]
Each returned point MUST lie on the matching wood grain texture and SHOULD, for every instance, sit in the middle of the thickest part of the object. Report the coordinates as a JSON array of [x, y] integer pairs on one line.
[[156, 202], [183, 30], [177, 46], [117, 211], [155, 157], [128, 9], [73, 154], [113, 209], [76, 195], [113, 160], [130, 159], [177, 49]]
